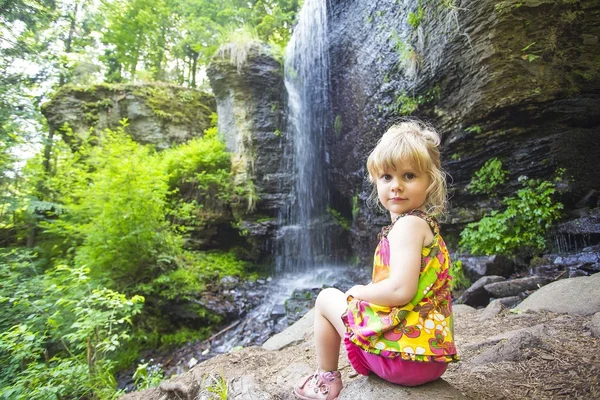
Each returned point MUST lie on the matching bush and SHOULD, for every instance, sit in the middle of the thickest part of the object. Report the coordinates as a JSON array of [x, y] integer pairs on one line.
[[58, 331], [459, 279], [488, 177], [521, 227], [106, 210]]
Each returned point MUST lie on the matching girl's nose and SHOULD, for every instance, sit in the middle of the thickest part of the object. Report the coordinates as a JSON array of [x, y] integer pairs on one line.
[[396, 186]]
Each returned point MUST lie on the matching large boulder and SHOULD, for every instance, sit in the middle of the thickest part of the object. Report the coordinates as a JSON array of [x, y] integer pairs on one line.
[[478, 266], [375, 388], [476, 295], [514, 287], [580, 296]]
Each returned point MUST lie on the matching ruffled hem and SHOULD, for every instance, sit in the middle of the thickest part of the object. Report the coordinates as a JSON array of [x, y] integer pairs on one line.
[[354, 358], [446, 358]]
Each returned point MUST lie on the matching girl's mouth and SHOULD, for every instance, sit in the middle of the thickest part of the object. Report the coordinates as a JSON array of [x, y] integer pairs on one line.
[[397, 198]]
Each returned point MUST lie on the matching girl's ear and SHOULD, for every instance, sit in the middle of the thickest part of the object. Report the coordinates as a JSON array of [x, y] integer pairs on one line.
[[431, 183]]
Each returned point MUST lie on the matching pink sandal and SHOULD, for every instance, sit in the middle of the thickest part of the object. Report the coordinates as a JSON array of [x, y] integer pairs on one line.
[[319, 386]]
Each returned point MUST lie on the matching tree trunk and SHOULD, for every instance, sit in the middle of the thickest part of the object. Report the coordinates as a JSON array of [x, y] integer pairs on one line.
[[69, 43], [194, 68]]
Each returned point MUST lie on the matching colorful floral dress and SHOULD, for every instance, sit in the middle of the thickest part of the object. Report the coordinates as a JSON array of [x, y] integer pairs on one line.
[[422, 329]]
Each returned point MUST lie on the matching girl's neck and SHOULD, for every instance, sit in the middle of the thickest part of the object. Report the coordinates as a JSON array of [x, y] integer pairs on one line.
[[394, 217]]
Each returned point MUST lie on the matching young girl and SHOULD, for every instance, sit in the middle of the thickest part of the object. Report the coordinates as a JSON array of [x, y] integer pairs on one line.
[[400, 326]]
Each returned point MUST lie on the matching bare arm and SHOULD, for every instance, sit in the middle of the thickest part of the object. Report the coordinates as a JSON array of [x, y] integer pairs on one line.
[[406, 238]]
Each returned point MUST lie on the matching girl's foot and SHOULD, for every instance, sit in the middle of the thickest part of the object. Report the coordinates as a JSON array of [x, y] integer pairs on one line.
[[320, 386]]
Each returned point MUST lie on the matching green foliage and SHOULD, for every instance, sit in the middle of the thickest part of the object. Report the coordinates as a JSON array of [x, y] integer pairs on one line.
[[237, 46], [146, 38], [408, 59], [355, 206], [503, 7], [339, 219], [529, 54], [196, 269], [415, 18], [216, 385], [404, 104], [147, 376], [178, 105], [337, 125], [488, 177], [120, 211], [459, 279], [521, 227], [203, 162], [450, 5], [112, 216], [58, 331], [474, 129]]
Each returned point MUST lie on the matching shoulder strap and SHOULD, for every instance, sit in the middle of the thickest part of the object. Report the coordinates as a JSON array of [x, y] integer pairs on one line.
[[386, 229]]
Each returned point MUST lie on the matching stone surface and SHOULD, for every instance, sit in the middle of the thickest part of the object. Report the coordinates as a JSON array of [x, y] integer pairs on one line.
[[476, 267], [579, 296], [518, 347], [462, 309], [476, 295], [178, 390], [523, 341], [374, 388], [292, 335], [497, 305], [514, 287], [494, 308], [246, 388], [594, 325], [510, 301], [539, 330], [300, 302]]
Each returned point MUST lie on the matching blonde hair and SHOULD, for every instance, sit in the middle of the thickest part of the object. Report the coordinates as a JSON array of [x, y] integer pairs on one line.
[[418, 144]]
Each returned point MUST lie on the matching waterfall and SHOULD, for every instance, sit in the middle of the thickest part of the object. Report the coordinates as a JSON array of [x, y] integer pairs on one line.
[[303, 239]]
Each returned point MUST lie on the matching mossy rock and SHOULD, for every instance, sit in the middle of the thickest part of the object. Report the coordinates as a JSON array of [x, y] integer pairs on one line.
[[156, 114]]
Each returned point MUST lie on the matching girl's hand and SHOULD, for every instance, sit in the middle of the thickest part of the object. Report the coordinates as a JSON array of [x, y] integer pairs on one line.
[[354, 291]]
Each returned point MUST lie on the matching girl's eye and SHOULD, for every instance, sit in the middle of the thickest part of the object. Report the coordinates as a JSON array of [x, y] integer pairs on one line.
[[409, 176], [386, 177]]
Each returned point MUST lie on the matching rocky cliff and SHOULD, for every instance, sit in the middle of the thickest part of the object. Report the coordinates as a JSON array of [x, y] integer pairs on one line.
[[515, 80], [247, 79], [157, 114]]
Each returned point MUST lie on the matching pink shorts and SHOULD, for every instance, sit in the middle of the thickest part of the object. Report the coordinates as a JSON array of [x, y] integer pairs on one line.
[[395, 370]]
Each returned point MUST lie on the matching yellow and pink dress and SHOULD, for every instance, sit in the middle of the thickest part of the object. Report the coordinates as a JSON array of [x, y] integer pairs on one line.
[[388, 340]]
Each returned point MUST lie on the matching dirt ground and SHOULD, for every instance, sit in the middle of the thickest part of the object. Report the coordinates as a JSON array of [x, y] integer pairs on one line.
[[565, 364]]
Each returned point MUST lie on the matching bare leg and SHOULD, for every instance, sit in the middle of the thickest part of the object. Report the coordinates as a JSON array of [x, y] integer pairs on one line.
[[329, 328]]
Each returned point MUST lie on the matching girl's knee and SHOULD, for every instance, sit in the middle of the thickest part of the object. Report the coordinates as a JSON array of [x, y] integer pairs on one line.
[[328, 298]]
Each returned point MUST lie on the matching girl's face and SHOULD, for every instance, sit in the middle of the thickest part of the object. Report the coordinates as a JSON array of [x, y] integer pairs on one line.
[[402, 189]]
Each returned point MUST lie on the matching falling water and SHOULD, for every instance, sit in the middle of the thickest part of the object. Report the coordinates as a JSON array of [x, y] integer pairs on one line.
[[302, 241]]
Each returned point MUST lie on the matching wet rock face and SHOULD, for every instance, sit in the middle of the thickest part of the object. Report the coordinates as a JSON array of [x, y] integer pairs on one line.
[[515, 81], [249, 94], [157, 114]]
